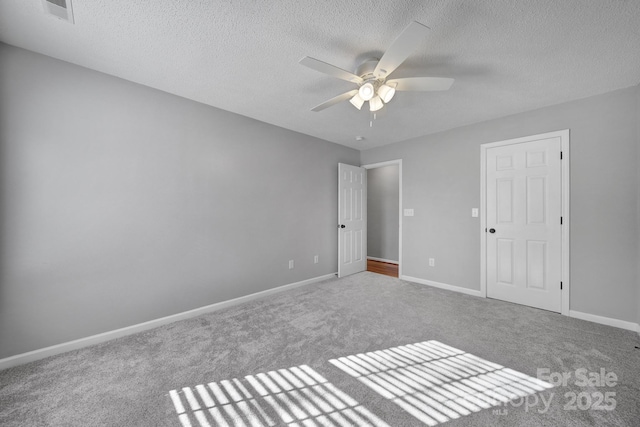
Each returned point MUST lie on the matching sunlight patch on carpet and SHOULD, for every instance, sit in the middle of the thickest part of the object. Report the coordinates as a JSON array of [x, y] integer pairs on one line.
[[436, 383], [297, 396]]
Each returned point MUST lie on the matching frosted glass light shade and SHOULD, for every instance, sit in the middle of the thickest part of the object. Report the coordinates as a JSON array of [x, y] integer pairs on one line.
[[357, 101], [366, 91], [386, 92], [375, 104]]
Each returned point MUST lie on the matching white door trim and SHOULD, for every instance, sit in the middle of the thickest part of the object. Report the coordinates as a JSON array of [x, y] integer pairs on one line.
[[564, 141], [390, 163]]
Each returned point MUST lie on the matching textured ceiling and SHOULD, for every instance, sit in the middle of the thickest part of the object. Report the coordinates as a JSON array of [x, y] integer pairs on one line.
[[507, 56]]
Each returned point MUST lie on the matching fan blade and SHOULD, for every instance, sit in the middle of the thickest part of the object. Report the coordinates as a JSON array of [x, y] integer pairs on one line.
[[332, 70], [421, 83], [400, 49], [335, 100]]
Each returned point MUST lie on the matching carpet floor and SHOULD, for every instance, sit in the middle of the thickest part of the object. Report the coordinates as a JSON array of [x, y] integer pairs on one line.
[[358, 351]]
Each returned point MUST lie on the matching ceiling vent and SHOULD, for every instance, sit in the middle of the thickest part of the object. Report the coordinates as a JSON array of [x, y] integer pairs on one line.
[[61, 9]]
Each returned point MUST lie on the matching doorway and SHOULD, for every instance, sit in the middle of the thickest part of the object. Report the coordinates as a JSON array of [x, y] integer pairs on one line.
[[353, 218], [525, 201], [384, 219]]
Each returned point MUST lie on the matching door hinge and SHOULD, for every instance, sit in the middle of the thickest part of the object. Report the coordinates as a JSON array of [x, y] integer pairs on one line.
[[560, 285], [560, 220], [561, 155]]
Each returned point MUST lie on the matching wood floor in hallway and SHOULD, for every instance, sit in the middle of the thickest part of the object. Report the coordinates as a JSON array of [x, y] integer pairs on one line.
[[380, 267]]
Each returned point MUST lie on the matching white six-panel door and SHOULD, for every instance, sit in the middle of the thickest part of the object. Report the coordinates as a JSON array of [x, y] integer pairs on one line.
[[352, 219], [523, 223]]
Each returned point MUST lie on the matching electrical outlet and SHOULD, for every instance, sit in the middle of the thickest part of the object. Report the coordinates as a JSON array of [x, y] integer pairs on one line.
[[432, 262], [315, 259], [408, 212], [290, 264]]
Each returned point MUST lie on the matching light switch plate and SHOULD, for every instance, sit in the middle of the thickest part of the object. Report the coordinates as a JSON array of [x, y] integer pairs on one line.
[[474, 212]]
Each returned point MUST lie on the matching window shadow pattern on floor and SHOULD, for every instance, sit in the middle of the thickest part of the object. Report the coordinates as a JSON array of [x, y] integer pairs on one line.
[[297, 396], [436, 383]]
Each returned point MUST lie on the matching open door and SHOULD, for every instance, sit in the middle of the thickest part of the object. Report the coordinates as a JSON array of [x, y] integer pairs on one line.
[[352, 219]]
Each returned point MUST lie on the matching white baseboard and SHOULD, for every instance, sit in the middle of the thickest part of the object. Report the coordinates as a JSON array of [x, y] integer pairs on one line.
[[34, 355], [623, 324], [467, 291], [388, 261]]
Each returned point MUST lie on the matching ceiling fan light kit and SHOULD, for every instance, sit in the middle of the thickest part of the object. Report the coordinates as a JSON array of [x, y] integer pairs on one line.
[[375, 104], [357, 101], [386, 92], [371, 76], [366, 91]]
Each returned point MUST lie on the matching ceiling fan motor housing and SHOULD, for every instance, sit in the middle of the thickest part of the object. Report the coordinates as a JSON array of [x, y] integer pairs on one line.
[[365, 69]]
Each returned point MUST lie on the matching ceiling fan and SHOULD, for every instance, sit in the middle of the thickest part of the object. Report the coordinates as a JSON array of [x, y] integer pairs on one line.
[[371, 76]]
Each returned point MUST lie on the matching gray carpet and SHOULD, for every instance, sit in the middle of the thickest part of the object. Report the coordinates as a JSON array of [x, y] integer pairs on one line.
[[363, 350]]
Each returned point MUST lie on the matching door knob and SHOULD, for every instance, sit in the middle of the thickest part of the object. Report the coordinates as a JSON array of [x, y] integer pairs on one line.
[[342, 226], [492, 230]]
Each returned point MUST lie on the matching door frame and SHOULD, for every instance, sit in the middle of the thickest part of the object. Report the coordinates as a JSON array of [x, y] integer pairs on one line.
[[565, 187], [390, 163]]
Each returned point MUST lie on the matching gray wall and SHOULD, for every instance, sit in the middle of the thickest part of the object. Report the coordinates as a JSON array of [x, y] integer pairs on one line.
[[441, 181], [383, 199], [122, 204]]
